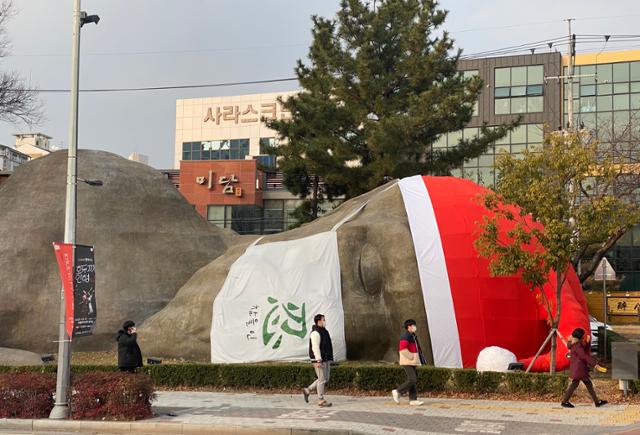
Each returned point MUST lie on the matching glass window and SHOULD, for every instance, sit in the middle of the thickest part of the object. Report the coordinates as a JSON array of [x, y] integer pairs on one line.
[[470, 73], [605, 89], [186, 155], [475, 108], [621, 72], [502, 77], [535, 104], [516, 149], [587, 70], [505, 140], [186, 146], [440, 143], [535, 90], [605, 73], [205, 155], [635, 101], [635, 71], [588, 104], [621, 123], [635, 87], [534, 133], [519, 105], [454, 138], [621, 88], [470, 133], [195, 155], [502, 92], [518, 91], [588, 90], [604, 103], [215, 213], [486, 160], [519, 134], [500, 149], [485, 176], [621, 102], [605, 124], [518, 76], [589, 120], [502, 106], [535, 74]]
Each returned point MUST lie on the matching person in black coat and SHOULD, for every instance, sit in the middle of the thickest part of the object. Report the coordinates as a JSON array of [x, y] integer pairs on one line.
[[129, 355]]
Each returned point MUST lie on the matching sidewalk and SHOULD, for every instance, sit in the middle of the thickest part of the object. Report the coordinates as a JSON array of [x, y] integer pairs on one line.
[[200, 413]]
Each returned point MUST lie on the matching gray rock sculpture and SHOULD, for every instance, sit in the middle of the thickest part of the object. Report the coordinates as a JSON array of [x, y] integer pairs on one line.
[[148, 242], [17, 357], [380, 285]]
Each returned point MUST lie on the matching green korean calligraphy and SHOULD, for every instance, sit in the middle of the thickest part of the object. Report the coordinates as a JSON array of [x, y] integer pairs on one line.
[[276, 323]]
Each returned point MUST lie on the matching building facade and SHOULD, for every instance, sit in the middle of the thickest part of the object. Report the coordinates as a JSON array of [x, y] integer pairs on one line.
[[11, 158], [606, 101], [220, 144], [35, 145], [606, 93]]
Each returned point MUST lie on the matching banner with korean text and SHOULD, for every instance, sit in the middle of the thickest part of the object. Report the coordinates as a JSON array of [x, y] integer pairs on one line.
[[265, 309]]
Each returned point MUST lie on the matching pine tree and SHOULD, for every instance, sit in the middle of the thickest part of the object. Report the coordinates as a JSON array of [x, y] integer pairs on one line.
[[379, 88]]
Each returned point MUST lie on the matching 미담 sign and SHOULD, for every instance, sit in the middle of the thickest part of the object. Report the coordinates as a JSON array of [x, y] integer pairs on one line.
[[623, 306]]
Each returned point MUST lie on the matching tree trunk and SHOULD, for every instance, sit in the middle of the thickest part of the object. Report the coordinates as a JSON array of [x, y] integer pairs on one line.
[[555, 322], [314, 197], [552, 360]]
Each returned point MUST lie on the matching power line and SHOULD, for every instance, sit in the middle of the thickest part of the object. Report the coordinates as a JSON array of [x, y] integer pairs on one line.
[[164, 88], [160, 52]]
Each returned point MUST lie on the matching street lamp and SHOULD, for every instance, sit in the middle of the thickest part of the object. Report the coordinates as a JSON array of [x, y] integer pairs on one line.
[[61, 407]]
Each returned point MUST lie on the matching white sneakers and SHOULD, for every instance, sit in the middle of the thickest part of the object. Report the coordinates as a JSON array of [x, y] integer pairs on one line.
[[396, 398]]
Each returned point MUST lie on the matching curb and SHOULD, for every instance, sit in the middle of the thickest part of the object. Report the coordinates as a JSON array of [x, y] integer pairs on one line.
[[154, 427]]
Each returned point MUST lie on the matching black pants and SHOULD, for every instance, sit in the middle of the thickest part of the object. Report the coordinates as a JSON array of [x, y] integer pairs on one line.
[[574, 384], [410, 384], [128, 369]]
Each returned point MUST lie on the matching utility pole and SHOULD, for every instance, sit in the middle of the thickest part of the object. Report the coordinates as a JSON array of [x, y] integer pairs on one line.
[[571, 52], [61, 406]]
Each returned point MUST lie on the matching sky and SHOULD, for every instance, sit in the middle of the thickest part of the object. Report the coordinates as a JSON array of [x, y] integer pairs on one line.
[[145, 43]]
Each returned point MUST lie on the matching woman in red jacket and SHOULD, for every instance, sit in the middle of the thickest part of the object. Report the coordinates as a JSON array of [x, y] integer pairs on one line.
[[580, 362]]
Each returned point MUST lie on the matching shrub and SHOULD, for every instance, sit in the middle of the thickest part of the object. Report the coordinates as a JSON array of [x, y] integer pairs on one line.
[[26, 395], [185, 375], [111, 396], [488, 382], [382, 378], [464, 380], [433, 378]]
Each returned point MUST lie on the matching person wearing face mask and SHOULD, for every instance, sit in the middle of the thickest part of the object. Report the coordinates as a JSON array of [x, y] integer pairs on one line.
[[321, 355], [410, 358]]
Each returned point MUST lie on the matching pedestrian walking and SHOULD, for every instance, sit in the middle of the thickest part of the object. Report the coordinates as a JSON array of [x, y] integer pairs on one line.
[[129, 354], [321, 355], [580, 361], [410, 358]]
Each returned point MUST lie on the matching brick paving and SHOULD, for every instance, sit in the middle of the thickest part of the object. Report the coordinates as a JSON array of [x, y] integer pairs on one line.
[[376, 415]]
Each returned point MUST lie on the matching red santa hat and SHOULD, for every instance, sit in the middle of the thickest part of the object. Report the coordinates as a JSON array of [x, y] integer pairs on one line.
[[467, 309]]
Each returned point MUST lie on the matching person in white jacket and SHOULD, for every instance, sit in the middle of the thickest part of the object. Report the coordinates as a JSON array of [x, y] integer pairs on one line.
[[321, 355]]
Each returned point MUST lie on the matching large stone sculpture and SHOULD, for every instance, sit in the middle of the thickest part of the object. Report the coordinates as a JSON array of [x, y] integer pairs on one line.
[[148, 242], [379, 276]]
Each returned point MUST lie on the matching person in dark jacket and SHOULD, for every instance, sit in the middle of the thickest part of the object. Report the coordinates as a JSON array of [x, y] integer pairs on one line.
[[321, 355], [580, 362], [129, 355]]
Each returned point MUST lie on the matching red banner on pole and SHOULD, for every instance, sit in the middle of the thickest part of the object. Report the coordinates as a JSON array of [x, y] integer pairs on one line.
[[64, 255]]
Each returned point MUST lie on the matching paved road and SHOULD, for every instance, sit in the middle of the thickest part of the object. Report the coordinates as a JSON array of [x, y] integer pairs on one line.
[[287, 414]]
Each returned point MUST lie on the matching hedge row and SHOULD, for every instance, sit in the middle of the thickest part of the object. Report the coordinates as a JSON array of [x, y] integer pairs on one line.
[[97, 395], [344, 376]]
